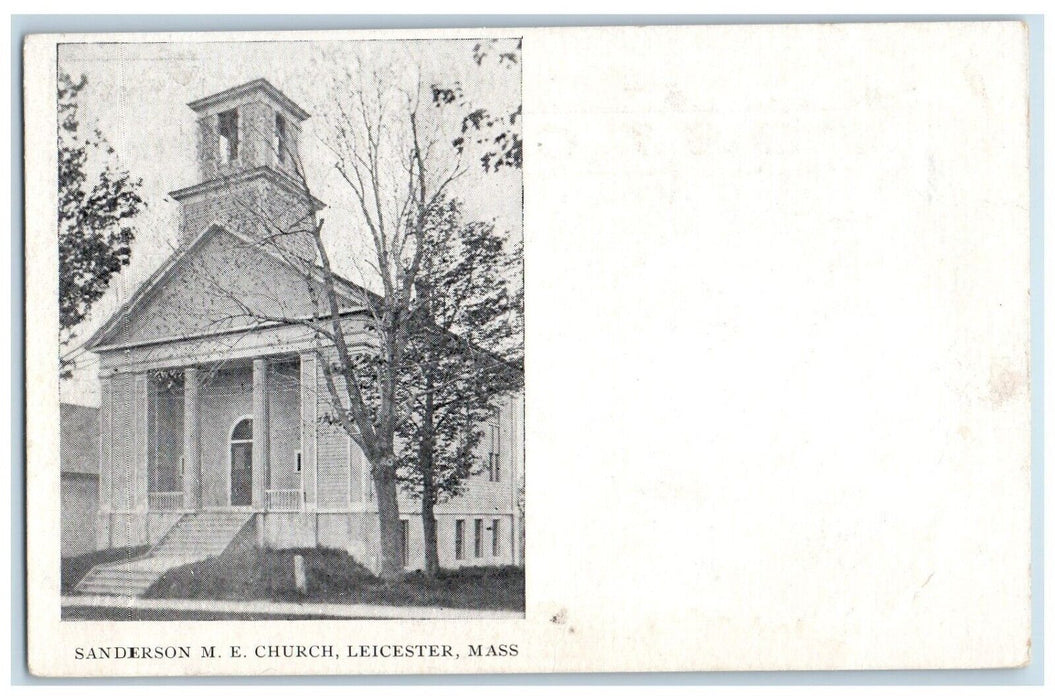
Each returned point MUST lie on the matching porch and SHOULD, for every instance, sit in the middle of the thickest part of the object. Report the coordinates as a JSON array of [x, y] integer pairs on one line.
[[275, 501], [220, 437]]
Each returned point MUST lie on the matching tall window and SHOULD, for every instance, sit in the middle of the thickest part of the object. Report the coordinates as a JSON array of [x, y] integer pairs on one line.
[[496, 548], [280, 137], [404, 537], [459, 539], [478, 536], [242, 463], [228, 135], [494, 453], [165, 433]]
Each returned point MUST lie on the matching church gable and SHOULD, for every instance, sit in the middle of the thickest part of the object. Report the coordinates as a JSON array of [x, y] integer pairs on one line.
[[222, 283]]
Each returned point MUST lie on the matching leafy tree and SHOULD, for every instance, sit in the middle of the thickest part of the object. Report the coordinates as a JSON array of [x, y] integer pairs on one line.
[[96, 203], [464, 353], [495, 135]]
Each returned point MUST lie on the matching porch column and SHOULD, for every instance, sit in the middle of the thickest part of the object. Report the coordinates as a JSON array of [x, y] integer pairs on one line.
[[261, 432], [308, 427], [106, 464], [140, 414], [191, 441]]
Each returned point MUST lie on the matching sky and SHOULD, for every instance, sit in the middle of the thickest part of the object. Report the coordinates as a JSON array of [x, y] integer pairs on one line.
[[137, 96]]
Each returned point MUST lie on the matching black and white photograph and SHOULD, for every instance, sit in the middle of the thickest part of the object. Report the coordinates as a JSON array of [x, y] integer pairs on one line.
[[291, 329]]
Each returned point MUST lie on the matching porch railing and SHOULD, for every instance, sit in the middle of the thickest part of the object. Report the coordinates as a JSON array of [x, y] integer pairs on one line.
[[165, 500], [288, 500]]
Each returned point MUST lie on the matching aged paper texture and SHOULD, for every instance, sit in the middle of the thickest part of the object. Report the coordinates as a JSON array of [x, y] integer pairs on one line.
[[534, 350]]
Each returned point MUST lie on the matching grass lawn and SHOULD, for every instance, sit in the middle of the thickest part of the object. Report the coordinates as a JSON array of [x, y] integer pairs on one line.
[[247, 573], [76, 568]]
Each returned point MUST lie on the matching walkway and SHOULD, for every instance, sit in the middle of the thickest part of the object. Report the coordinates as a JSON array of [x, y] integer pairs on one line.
[[278, 610]]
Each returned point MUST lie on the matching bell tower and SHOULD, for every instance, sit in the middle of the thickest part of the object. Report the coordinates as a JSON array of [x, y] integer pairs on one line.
[[249, 169]]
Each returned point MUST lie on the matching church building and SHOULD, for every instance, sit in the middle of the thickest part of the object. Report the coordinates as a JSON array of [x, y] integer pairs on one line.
[[213, 416]]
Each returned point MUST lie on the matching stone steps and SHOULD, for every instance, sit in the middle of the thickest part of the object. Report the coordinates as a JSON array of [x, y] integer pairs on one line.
[[114, 580], [193, 538]]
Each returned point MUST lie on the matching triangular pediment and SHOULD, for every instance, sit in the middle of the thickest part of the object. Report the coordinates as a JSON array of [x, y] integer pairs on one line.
[[220, 284]]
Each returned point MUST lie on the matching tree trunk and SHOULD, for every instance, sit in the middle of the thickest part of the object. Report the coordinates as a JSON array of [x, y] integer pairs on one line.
[[384, 475], [428, 515], [426, 455], [432, 559]]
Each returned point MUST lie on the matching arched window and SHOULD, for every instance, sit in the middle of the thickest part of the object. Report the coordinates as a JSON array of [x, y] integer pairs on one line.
[[242, 462], [243, 430]]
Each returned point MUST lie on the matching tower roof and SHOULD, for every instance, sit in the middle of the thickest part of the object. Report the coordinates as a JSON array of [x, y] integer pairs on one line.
[[239, 91]]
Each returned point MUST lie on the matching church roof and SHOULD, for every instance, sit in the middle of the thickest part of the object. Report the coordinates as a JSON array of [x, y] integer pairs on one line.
[[109, 335]]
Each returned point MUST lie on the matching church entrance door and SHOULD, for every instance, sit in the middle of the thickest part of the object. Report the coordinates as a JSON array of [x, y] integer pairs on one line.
[[242, 463]]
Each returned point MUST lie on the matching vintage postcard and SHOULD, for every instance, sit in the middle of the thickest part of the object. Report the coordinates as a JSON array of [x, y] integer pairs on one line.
[[535, 350]]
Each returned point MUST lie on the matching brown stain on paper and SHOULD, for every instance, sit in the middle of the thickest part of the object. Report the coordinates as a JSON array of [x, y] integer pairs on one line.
[[1004, 385]]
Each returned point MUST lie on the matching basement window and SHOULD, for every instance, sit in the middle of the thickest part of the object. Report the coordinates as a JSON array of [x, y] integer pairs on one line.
[[228, 135]]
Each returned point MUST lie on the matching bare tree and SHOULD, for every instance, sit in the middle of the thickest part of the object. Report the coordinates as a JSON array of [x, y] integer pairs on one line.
[[386, 154]]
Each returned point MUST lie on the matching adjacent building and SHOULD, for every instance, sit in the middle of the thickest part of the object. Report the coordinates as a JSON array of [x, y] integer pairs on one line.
[[79, 477]]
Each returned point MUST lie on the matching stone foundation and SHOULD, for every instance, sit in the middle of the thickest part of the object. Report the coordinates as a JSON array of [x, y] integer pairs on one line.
[[118, 530], [357, 534]]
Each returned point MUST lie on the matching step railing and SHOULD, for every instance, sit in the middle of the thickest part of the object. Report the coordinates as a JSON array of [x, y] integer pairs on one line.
[[284, 500], [165, 501]]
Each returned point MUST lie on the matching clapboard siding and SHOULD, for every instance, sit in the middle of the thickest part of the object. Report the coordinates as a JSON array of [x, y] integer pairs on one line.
[[357, 473], [333, 467], [309, 418], [344, 474], [139, 461], [105, 442], [124, 446], [333, 448]]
